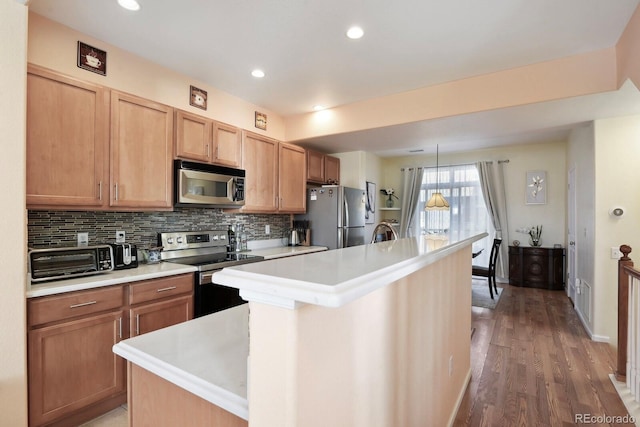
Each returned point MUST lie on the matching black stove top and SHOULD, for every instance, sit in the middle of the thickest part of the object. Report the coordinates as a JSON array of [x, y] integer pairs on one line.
[[217, 261]]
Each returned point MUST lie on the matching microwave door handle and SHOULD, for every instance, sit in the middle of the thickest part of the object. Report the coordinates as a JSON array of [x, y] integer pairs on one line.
[[233, 190]]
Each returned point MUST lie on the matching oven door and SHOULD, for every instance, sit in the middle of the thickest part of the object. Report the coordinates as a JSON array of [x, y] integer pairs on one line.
[[210, 297]]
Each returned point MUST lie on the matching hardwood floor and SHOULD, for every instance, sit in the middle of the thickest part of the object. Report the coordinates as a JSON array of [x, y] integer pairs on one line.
[[533, 364]]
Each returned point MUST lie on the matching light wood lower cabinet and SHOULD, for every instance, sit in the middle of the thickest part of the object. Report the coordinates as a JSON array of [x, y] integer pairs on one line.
[[74, 375]]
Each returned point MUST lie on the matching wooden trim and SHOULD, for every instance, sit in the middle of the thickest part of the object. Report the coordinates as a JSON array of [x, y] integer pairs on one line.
[[625, 270]]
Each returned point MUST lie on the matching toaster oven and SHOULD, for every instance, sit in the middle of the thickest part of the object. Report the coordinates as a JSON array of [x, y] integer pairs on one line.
[[68, 262]]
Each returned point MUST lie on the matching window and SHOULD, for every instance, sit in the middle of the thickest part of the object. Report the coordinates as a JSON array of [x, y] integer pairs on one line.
[[460, 185]]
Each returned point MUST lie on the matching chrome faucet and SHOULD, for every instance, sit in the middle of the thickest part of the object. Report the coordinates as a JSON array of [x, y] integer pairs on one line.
[[382, 226]]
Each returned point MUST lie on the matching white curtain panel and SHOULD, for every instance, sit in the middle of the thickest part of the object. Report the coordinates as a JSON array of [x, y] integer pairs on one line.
[[491, 176], [411, 185]]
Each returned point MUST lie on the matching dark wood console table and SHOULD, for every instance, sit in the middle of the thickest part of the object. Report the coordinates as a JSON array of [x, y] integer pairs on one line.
[[536, 267]]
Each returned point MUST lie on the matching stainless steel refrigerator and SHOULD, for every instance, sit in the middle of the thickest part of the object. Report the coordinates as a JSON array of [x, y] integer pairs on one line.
[[336, 216]]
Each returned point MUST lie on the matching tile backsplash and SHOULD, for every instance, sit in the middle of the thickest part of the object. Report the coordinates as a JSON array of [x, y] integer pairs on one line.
[[56, 228]]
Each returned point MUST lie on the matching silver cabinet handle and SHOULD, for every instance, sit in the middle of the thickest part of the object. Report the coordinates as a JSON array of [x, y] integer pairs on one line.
[[207, 148], [116, 191], [170, 288], [120, 327], [100, 191], [83, 304], [137, 324]]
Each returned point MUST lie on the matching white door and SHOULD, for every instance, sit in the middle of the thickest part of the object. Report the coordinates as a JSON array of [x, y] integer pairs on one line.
[[571, 235]]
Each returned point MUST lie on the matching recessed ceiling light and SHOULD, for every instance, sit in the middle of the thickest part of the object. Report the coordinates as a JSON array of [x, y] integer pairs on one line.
[[318, 107], [257, 73], [129, 4], [355, 33]]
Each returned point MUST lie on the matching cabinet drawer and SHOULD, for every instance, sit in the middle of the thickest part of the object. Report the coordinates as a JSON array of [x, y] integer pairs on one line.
[[154, 289], [65, 306]]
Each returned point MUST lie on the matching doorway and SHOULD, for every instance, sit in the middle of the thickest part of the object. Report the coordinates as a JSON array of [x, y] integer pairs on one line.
[[571, 235]]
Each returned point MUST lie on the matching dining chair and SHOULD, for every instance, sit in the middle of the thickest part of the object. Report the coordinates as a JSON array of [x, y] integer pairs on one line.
[[490, 271]]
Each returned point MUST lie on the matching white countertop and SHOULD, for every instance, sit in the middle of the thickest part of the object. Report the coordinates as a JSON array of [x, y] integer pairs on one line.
[[143, 272], [335, 277], [285, 251], [206, 356]]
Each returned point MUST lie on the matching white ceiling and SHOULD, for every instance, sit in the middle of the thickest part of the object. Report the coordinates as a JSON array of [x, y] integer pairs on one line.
[[408, 44]]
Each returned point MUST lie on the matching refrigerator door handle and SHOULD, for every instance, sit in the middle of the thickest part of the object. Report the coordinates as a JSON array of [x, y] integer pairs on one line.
[[346, 225]]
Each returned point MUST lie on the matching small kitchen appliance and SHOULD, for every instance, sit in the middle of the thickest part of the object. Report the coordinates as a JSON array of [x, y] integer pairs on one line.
[[125, 256], [68, 262], [207, 251]]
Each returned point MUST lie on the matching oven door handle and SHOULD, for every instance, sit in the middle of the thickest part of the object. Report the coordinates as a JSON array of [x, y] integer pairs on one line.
[[205, 278]]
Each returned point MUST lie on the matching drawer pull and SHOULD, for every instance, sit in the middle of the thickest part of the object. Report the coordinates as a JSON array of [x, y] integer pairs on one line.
[[170, 288], [83, 304]]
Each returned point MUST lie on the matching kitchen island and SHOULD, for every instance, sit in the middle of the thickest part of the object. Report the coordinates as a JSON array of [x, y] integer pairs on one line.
[[373, 335]]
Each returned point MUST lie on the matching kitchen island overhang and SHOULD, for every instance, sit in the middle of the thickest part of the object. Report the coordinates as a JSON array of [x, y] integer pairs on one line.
[[337, 277]]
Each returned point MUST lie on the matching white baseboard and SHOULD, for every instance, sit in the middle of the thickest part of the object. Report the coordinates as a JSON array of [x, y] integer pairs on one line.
[[587, 328], [454, 414]]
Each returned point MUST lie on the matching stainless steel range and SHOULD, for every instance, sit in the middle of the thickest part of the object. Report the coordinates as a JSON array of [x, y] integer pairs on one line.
[[206, 250]]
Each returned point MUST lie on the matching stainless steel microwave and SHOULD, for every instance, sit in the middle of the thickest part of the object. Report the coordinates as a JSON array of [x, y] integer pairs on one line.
[[68, 262], [204, 185]]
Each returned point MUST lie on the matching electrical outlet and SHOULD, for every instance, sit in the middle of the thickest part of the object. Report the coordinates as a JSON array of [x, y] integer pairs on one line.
[[267, 229], [83, 239], [615, 253], [120, 236]]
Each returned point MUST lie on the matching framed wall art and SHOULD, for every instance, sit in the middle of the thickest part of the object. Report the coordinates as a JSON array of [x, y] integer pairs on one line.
[[92, 59], [370, 204], [197, 97], [261, 121], [536, 188]]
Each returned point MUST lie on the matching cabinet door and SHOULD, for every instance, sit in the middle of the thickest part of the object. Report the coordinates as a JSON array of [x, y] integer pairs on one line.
[[150, 317], [331, 170], [315, 166], [260, 160], [67, 141], [72, 365], [292, 183], [193, 136], [141, 153], [227, 141]]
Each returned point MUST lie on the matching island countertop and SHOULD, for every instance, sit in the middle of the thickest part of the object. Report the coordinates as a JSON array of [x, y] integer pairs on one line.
[[336, 277], [206, 356]]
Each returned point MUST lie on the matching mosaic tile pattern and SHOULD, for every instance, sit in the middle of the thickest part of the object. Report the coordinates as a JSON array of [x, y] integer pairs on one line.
[[55, 228]]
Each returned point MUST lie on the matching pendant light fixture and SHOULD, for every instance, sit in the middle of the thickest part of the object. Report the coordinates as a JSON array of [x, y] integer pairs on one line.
[[437, 202]]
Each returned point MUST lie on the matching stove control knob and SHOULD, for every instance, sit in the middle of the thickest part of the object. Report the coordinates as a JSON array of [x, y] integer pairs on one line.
[[170, 240], [223, 237], [215, 237], [179, 240]]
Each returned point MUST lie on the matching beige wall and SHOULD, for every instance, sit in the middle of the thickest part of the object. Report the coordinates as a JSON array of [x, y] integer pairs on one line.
[[54, 46], [13, 49], [382, 360], [617, 150], [550, 157], [628, 60]]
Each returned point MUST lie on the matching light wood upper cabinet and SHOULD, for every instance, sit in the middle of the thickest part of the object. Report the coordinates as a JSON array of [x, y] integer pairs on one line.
[[203, 139], [193, 136], [322, 169], [331, 170], [227, 142], [67, 141], [315, 166], [292, 179], [260, 160], [141, 153]]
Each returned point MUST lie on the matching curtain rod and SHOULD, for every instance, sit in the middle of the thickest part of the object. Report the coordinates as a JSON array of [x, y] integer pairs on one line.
[[462, 164]]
